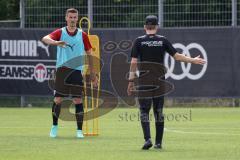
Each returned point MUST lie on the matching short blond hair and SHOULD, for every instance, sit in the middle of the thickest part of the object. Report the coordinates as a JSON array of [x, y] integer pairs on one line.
[[71, 10]]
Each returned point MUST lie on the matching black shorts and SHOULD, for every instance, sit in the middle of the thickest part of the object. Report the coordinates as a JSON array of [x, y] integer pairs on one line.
[[68, 82]]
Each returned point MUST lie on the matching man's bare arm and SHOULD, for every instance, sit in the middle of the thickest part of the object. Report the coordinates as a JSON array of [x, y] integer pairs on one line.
[[132, 73], [133, 69], [90, 64], [48, 40], [184, 58]]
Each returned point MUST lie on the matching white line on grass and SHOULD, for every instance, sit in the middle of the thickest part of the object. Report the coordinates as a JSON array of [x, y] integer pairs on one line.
[[33, 127], [203, 133], [208, 128], [21, 127]]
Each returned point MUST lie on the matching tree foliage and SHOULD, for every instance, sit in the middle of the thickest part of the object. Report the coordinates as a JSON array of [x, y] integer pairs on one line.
[[122, 13], [9, 9]]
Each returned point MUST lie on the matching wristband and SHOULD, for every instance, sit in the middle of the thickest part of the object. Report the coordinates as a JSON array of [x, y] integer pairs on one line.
[[131, 75]]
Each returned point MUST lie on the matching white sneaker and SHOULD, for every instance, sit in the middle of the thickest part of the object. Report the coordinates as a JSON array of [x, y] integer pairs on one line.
[[53, 132], [80, 134]]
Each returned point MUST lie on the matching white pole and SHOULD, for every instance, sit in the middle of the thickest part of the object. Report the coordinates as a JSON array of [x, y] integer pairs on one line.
[[160, 12], [234, 13], [90, 11], [22, 13]]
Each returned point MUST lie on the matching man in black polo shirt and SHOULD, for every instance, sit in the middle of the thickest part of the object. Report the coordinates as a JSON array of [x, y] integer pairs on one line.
[[152, 48]]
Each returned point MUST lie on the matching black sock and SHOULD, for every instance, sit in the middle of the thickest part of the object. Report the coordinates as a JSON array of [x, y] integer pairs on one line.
[[56, 109], [79, 115]]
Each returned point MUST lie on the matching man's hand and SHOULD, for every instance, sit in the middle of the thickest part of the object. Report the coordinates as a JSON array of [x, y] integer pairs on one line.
[[130, 88], [198, 60], [95, 82], [60, 43], [94, 79]]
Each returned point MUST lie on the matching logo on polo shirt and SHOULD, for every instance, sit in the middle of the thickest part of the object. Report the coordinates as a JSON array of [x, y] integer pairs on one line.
[[152, 43]]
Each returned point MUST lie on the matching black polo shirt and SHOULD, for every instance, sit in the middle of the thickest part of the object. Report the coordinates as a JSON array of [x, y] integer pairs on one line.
[[152, 48]]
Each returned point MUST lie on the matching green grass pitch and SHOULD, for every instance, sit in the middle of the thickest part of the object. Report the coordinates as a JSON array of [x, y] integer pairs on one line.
[[194, 133]]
